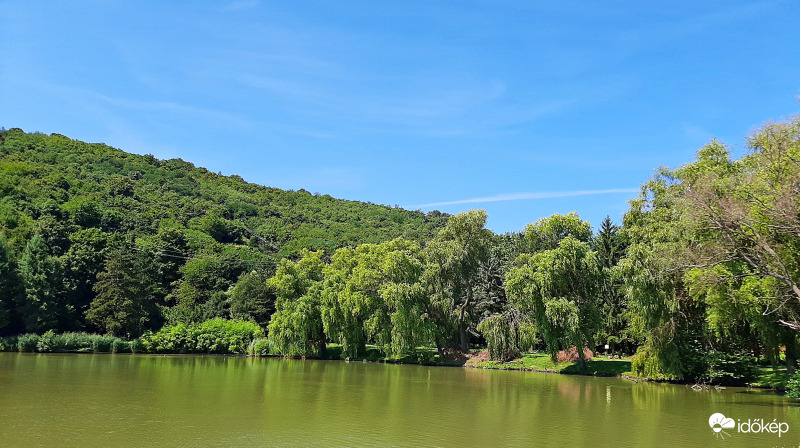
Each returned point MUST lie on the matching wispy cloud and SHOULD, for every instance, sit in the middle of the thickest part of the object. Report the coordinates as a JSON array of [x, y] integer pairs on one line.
[[522, 196]]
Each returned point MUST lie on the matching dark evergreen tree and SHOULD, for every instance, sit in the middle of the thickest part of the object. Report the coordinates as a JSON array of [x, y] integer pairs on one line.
[[40, 307], [125, 304], [10, 288], [610, 248]]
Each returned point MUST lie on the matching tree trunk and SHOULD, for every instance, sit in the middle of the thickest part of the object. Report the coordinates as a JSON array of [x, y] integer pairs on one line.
[[464, 336], [322, 346], [791, 358], [462, 325]]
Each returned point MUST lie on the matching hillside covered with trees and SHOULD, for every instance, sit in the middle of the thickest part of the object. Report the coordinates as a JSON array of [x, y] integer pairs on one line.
[[81, 222]]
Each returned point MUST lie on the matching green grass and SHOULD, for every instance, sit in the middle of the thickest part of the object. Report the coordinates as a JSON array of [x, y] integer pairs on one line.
[[543, 362], [530, 361], [768, 376]]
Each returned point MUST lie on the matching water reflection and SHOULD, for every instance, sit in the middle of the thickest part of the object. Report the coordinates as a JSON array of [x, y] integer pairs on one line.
[[143, 400]]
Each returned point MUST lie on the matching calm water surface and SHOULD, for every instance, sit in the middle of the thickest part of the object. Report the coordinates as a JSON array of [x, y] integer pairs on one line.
[[73, 400]]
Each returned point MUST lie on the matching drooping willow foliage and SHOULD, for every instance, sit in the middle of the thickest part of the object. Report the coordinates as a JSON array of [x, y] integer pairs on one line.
[[507, 335]]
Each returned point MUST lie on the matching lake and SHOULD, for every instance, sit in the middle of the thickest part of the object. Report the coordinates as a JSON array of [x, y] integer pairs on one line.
[[83, 400]]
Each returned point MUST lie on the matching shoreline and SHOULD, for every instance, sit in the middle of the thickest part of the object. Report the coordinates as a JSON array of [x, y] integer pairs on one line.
[[457, 364]]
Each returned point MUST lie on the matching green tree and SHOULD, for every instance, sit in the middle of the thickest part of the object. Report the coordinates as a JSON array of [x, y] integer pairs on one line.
[[201, 292], [125, 304], [608, 244], [490, 293], [507, 334], [610, 247], [663, 314], [296, 327], [559, 289], [251, 299], [10, 285], [746, 214], [454, 258], [170, 249], [374, 293], [546, 233], [41, 308], [80, 265]]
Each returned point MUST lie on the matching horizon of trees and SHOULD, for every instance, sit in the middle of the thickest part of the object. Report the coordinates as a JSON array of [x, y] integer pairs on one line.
[[700, 278]]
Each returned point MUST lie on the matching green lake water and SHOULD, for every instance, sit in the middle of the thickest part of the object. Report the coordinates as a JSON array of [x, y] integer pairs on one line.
[[76, 400]]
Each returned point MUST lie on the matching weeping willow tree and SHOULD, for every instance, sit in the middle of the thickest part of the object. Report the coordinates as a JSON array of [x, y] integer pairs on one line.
[[454, 259], [374, 293], [507, 335], [558, 288], [296, 327]]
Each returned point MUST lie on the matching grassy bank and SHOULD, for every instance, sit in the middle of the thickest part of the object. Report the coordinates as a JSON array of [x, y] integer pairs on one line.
[[541, 362]]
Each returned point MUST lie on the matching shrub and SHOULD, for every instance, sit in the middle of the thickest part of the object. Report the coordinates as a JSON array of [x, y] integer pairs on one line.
[[71, 341], [8, 344], [212, 336], [136, 346], [81, 342], [426, 357], [793, 386], [571, 355], [27, 342], [47, 342], [102, 343], [258, 347], [120, 346], [730, 369]]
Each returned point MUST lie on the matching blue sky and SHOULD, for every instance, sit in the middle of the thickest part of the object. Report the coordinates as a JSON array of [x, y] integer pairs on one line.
[[522, 108]]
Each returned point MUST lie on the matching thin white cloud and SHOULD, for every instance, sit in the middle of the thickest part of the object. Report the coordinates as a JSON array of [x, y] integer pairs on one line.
[[522, 196]]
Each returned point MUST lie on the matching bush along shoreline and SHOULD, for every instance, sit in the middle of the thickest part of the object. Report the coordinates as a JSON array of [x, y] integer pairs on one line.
[[243, 338], [70, 342], [214, 336]]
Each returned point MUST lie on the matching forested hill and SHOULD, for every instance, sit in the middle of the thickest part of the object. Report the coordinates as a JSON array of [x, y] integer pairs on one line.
[[55, 181], [69, 210]]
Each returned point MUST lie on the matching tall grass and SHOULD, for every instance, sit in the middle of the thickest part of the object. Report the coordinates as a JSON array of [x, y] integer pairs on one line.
[[27, 342], [258, 347], [51, 342], [212, 336]]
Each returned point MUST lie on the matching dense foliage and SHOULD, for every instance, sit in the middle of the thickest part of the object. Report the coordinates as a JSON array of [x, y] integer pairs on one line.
[[212, 336], [700, 280], [713, 259], [559, 287], [93, 238]]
